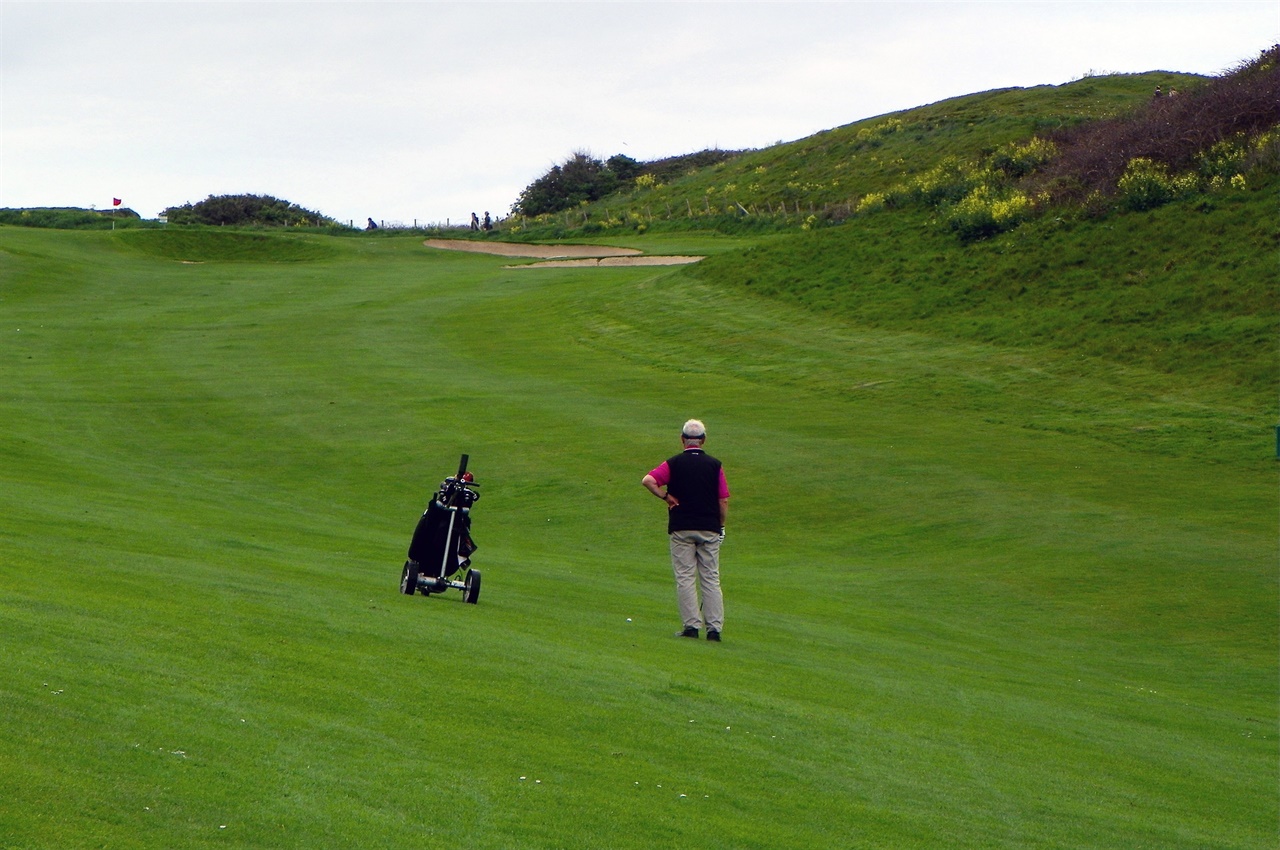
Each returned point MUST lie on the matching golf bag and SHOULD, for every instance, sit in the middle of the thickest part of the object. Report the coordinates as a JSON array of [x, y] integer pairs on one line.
[[442, 544]]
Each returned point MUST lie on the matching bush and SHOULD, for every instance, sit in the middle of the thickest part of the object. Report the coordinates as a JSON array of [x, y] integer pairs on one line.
[[1146, 185], [246, 210], [1225, 159], [1017, 160], [985, 212], [70, 218], [949, 180], [624, 167], [674, 167], [581, 179], [872, 202], [1265, 151]]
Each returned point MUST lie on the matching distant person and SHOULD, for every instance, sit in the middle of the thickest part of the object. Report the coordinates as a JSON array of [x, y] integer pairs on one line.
[[1158, 93], [475, 222], [488, 222], [372, 225], [697, 499]]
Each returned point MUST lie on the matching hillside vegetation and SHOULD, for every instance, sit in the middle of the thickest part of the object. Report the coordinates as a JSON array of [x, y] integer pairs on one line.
[[71, 218], [781, 186], [983, 163]]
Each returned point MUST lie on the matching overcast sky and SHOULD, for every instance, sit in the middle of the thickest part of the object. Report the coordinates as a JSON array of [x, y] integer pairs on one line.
[[430, 110]]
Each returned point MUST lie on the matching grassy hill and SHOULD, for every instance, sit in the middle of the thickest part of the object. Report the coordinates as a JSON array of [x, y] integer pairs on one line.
[[1189, 289], [999, 573], [783, 184]]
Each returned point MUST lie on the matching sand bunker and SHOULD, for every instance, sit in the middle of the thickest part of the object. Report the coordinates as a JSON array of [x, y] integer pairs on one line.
[[609, 261], [560, 256], [541, 252]]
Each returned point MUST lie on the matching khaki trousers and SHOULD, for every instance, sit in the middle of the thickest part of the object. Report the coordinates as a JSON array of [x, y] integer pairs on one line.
[[695, 560]]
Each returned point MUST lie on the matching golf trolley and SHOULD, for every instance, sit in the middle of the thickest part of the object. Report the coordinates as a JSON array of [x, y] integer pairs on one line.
[[442, 543]]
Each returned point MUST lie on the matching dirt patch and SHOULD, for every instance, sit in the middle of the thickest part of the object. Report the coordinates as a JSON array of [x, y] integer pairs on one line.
[[541, 252]]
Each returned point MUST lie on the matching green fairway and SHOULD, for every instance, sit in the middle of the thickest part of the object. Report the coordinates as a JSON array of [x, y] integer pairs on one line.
[[978, 596]]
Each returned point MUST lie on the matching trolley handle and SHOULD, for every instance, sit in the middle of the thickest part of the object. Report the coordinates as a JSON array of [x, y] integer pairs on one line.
[[453, 485]]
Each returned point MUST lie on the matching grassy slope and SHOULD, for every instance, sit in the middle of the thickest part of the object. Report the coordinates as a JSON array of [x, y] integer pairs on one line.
[[840, 165], [1188, 289], [832, 166], [953, 619]]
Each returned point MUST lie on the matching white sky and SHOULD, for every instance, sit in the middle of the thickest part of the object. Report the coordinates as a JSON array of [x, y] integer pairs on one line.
[[430, 110]]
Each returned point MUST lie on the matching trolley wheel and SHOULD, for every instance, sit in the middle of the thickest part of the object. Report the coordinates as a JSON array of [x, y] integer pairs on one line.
[[409, 578], [471, 591]]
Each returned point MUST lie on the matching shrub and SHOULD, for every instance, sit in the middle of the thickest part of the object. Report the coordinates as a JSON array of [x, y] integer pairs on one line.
[[872, 202], [1224, 159], [581, 179], [674, 167], [949, 180], [1265, 150], [624, 167], [879, 131], [1017, 160], [1147, 184], [240, 210], [985, 212], [69, 218]]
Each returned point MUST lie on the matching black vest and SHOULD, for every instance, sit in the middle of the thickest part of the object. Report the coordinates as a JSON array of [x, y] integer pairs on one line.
[[695, 481]]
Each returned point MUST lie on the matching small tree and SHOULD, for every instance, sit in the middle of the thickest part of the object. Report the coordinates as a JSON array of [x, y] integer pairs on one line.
[[624, 167], [580, 178]]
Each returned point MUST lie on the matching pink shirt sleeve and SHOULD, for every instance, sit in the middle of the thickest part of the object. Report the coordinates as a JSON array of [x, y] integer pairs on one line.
[[724, 485]]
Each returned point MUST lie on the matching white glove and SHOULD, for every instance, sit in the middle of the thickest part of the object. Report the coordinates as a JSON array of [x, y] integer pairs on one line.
[[722, 534]]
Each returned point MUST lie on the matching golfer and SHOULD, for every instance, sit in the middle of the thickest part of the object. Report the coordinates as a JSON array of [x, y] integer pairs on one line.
[[697, 497]]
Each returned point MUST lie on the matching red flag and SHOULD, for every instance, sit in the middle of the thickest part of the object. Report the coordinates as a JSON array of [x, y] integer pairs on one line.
[[115, 202]]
